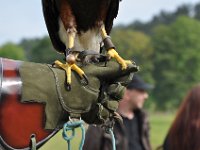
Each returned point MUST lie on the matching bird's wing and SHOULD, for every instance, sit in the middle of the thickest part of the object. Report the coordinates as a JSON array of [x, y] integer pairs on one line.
[[51, 16], [111, 14]]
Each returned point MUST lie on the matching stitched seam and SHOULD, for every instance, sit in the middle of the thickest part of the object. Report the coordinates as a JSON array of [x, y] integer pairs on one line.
[[60, 97]]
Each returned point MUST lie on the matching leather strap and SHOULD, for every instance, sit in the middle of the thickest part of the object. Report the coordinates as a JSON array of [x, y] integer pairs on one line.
[[4, 145], [85, 53], [108, 43]]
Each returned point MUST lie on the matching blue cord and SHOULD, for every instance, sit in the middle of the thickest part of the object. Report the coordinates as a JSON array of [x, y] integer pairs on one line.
[[113, 138], [71, 126]]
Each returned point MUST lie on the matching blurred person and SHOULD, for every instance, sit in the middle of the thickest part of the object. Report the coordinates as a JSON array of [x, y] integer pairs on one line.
[[184, 133], [133, 133]]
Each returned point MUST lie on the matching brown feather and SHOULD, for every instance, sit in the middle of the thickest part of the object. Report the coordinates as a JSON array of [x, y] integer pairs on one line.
[[66, 15], [81, 14]]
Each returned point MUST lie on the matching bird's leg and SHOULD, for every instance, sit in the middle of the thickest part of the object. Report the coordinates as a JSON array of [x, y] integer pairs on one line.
[[71, 33], [68, 33], [70, 65], [109, 46], [71, 57], [71, 61]]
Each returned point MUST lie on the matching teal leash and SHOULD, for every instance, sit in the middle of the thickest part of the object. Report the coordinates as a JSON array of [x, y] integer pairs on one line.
[[109, 129], [71, 126], [113, 138]]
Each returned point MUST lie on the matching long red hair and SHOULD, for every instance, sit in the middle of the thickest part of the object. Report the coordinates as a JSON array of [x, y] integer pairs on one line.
[[184, 133]]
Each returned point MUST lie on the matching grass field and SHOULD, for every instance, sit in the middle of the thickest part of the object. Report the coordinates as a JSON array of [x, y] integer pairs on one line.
[[160, 124]]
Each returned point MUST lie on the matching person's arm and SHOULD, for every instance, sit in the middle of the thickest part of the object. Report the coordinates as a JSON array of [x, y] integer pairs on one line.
[[97, 139], [146, 131], [148, 134], [93, 138]]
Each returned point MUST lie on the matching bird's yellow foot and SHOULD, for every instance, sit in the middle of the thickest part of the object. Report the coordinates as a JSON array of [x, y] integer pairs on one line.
[[113, 54], [68, 67], [109, 46]]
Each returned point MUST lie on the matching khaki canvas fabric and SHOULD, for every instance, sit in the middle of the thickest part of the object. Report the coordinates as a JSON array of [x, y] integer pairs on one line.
[[45, 84]]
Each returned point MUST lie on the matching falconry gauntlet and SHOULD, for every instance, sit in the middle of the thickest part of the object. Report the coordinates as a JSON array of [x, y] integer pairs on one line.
[[94, 102]]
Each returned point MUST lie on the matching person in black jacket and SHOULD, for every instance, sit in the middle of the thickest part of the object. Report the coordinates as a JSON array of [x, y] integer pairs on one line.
[[133, 133]]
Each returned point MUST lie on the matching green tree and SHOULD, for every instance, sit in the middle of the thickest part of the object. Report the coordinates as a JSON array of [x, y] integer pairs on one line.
[[43, 52], [28, 45], [12, 51], [164, 17], [197, 11], [136, 46], [176, 60]]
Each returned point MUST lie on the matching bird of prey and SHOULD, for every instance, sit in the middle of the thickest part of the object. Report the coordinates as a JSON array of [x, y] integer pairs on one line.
[[77, 25]]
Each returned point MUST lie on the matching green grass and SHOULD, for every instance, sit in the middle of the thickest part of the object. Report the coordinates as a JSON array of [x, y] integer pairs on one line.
[[159, 122]]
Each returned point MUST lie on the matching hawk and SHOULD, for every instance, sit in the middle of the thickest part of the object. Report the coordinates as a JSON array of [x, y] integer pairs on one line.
[[80, 25]]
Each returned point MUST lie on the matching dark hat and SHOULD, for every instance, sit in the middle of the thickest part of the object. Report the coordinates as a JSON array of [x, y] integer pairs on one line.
[[138, 83]]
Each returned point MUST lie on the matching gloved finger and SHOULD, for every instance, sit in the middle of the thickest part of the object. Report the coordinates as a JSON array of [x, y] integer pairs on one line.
[[116, 91], [111, 105], [124, 80], [98, 115]]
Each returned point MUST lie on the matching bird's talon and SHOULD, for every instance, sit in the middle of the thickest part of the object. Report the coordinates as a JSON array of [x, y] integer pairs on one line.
[[68, 87], [129, 62], [53, 64], [106, 63], [124, 63], [124, 66]]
